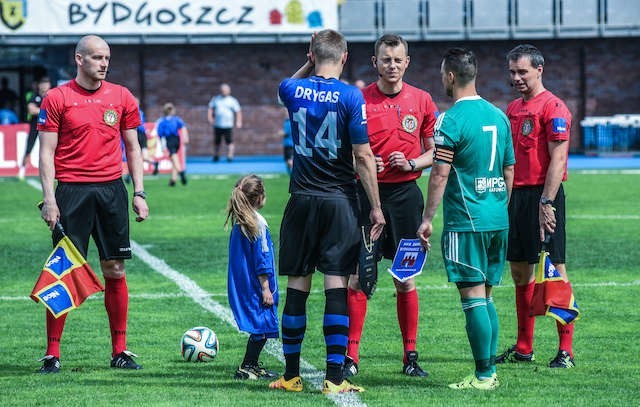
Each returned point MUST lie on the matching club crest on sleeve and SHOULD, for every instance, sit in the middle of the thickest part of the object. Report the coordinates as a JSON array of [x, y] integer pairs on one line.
[[110, 117]]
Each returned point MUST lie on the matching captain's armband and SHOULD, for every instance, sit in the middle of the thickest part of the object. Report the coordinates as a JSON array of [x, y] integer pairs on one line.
[[443, 154]]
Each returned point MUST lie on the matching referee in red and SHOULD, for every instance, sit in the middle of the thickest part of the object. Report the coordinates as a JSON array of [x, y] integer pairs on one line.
[[80, 127], [400, 121], [540, 125]]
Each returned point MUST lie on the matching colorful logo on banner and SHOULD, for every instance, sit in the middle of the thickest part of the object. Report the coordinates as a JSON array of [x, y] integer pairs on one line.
[[295, 15], [13, 13], [66, 280], [409, 260]]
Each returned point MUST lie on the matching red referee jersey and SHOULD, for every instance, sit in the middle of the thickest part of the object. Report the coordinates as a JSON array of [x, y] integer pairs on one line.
[[534, 124], [89, 126], [399, 123]]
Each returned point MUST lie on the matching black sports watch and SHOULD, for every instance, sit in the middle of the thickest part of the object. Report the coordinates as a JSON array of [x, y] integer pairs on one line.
[[412, 163], [545, 201], [141, 194]]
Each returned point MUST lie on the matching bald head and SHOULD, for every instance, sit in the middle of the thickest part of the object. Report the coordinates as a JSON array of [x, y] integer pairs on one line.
[[92, 58], [88, 43], [225, 89]]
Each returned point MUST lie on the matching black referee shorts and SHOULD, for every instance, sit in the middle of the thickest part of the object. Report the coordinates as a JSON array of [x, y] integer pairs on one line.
[[100, 210], [524, 226], [319, 232], [402, 206]]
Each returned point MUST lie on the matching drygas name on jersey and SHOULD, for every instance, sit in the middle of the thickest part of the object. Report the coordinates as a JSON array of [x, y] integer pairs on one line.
[[316, 96], [490, 184]]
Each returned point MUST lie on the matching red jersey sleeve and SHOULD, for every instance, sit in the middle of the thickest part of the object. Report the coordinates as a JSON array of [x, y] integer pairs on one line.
[[557, 120], [51, 111], [430, 116], [130, 113]]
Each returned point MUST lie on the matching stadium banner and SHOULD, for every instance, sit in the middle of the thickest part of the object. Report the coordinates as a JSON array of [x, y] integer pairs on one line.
[[13, 142], [166, 17]]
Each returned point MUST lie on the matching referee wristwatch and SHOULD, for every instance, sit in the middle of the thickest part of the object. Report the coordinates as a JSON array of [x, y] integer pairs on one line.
[[141, 194], [545, 201], [412, 164]]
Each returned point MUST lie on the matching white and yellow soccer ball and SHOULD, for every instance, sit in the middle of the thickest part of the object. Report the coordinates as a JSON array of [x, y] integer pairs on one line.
[[199, 344]]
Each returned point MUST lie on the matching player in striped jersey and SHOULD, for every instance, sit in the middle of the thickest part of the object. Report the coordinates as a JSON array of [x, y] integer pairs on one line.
[[319, 228]]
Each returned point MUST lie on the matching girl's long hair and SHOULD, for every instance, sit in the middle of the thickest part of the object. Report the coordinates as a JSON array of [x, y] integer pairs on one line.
[[247, 197]]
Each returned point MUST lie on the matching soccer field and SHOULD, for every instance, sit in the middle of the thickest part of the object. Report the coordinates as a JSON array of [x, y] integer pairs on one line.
[[177, 280]]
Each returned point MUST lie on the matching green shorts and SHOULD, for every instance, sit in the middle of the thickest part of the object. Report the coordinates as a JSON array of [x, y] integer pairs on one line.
[[475, 257]]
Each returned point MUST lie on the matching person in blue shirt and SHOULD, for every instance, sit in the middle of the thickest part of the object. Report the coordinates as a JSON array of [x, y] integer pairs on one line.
[[319, 228], [171, 129], [7, 116], [252, 285]]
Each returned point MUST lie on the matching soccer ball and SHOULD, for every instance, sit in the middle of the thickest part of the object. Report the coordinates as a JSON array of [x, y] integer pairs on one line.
[[199, 344]]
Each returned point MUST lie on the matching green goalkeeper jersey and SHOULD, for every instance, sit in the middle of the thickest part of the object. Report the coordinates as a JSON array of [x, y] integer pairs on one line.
[[474, 137]]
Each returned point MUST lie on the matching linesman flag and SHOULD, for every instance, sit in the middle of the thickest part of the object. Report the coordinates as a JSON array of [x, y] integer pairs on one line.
[[553, 296], [66, 279]]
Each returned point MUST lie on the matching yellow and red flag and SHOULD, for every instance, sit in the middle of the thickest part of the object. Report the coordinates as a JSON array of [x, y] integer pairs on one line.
[[66, 280], [552, 295]]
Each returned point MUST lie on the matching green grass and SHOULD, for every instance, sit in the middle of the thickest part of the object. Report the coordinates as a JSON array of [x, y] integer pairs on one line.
[[185, 229]]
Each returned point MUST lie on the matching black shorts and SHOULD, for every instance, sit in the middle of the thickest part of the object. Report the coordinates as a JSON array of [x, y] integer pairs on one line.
[[288, 153], [100, 210], [142, 139], [219, 132], [319, 232], [402, 206], [524, 226], [31, 140], [173, 144]]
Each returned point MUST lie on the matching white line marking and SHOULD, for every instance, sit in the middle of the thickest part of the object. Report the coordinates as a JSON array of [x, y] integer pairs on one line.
[[605, 172], [161, 296], [604, 217], [34, 183], [201, 297]]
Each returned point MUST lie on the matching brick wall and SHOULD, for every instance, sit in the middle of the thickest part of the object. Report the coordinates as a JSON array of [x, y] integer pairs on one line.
[[189, 75]]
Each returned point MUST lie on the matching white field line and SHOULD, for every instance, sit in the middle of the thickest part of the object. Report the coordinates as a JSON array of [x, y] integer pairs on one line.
[[34, 183], [605, 172], [201, 297], [161, 296], [604, 217]]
